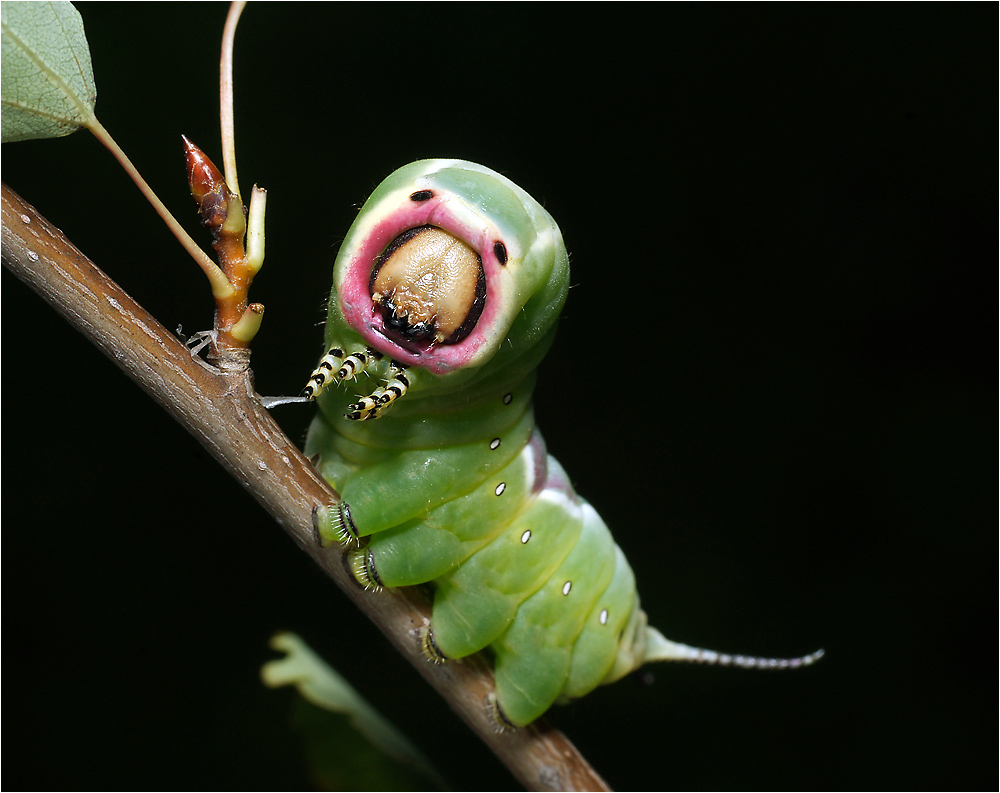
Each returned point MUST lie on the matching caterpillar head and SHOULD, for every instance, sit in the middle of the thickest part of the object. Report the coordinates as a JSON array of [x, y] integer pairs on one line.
[[449, 267]]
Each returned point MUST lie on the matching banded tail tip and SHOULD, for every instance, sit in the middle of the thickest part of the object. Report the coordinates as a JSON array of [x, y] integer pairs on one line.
[[660, 648]]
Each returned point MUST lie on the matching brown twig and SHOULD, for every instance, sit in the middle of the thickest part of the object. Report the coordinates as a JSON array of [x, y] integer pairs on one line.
[[221, 410], [222, 213]]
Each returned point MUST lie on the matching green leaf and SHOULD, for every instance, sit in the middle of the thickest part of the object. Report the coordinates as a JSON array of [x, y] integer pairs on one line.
[[48, 85], [336, 753]]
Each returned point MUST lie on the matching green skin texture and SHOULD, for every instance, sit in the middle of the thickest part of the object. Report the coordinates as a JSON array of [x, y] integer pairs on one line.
[[421, 481]]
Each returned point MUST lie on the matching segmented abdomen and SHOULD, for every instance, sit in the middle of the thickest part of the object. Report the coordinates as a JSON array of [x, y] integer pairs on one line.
[[519, 562]]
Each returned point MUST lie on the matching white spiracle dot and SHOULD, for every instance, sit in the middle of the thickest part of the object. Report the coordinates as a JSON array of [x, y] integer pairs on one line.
[[567, 587], [604, 617], [495, 444], [526, 536], [500, 488], [507, 398]]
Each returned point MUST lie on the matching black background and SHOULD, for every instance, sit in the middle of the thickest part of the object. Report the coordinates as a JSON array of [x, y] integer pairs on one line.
[[775, 379]]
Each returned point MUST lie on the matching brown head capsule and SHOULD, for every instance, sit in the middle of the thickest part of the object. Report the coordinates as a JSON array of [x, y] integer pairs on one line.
[[429, 285]]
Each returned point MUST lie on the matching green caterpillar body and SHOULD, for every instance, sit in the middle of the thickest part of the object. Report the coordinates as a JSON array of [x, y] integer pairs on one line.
[[447, 291]]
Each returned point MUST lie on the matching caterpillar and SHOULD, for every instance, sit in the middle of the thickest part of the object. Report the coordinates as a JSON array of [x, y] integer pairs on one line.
[[446, 295]]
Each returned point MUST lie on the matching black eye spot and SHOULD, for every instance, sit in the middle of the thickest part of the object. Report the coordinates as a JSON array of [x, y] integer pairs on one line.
[[421, 195], [499, 250]]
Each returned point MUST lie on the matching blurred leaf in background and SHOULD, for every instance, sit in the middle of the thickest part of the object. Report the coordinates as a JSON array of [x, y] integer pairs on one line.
[[349, 744]]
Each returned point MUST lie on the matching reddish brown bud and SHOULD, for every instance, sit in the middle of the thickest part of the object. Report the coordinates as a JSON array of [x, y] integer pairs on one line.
[[203, 176], [207, 186]]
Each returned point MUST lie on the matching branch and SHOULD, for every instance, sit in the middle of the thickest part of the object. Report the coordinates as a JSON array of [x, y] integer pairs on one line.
[[222, 412]]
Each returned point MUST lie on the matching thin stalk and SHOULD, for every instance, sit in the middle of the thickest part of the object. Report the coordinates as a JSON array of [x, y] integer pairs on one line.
[[226, 97], [221, 287]]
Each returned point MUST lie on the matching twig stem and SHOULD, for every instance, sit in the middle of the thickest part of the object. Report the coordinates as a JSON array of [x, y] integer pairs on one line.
[[226, 120]]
